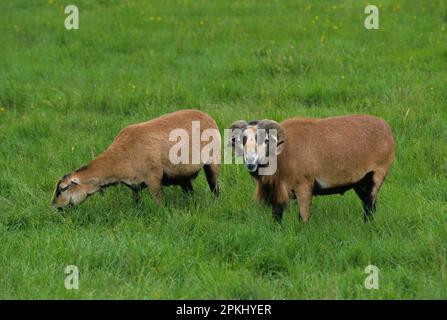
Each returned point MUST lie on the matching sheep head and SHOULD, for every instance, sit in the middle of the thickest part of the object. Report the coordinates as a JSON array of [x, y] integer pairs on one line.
[[257, 141], [71, 191]]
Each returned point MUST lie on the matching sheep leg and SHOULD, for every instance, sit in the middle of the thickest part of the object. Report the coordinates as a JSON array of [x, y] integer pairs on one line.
[[136, 195], [155, 191], [367, 190], [135, 191], [369, 207], [211, 173], [154, 186], [364, 189], [277, 212], [304, 197], [187, 188]]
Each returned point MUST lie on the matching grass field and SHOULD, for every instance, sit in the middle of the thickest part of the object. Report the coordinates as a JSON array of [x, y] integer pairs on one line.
[[64, 95]]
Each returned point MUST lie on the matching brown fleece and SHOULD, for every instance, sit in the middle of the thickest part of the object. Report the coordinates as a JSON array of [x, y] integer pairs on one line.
[[326, 156], [139, 156]]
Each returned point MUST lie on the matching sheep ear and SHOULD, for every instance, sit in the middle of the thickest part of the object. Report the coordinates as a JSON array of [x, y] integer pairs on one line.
[[74, 180], [278, 138]]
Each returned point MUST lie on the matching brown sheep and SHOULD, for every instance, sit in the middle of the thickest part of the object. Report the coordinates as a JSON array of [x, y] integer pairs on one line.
[[139, 157], [317, 157]]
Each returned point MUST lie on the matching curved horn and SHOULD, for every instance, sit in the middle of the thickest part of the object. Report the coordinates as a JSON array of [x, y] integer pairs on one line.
[[241, 124], [280, 138]]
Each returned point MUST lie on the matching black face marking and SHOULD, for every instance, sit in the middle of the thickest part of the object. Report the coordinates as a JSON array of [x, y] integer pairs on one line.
[[255, 174], [59, 190], [253, 122], [250, 167]]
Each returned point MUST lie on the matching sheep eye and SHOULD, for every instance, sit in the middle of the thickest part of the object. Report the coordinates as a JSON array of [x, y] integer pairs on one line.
[[65, 188]]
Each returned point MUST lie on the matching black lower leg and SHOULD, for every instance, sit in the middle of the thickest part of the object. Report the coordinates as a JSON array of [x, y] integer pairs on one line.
[[211, 178], [213, 187], [136, 194], [369, 207], [277, 212], [364, 190]]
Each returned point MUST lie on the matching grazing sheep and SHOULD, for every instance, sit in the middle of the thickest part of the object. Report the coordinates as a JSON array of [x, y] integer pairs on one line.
[[317, 157], [139, 157]]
